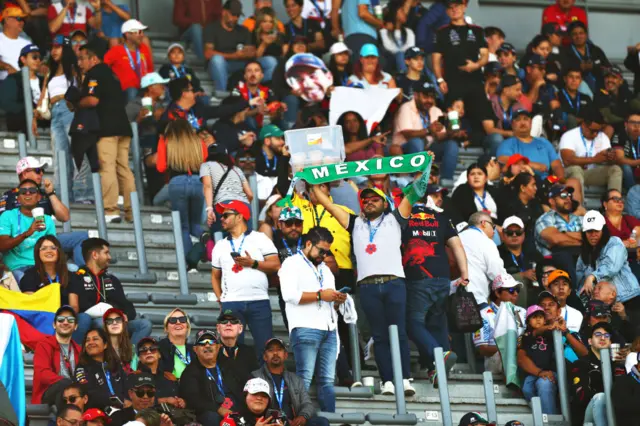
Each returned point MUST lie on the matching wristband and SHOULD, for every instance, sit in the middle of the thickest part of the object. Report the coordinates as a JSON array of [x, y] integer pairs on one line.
[[209, 208], [440, 80], [255, 264], [319, 296], [50, 193]]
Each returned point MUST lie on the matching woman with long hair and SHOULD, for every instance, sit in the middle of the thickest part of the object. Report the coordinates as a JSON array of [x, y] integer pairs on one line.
[[270, 215], [603, 258], [397, 40], [476, 194], [50, 267], [115, 325], [520, 200], [357, 144], [180, 154], [176, 353], [340, 64], [367, 71], [266, 37]]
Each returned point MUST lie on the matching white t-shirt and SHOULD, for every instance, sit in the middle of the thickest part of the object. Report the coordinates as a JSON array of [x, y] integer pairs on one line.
[[309, 10], [35, 89], [296, 277], [10, 52], [489, 203], [573, 140], [247, 284], [573, 317], [386, 259]]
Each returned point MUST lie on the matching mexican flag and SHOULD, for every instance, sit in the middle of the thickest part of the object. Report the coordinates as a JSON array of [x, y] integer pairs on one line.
[[506, 337], [372, 104]]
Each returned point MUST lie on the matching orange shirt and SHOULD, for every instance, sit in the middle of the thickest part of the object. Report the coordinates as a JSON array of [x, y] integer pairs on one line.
[[128, 68], [250, 24]]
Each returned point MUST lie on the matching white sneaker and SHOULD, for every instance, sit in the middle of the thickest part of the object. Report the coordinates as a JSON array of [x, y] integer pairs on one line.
[[388, 389], [356, 385], [408, 389], [112, 218]]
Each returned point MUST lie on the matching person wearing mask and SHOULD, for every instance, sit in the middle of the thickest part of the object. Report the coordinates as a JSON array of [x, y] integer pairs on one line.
[[50, 267], [586, 56], [11, 44], [241, 263], [367, 70], [115, 325], [92, 285], [75, 394], [476, 195], [55, 359], [13, 100], [625, 142], [174, 349], [560, 287], [100, 372], [288, 394], [167, 385]]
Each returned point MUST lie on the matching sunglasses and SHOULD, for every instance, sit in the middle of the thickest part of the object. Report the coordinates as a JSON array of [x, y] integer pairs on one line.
[[293, 223], [30, 191], [512, 290], [116, 320], [493, 225], [70, 400], [177, 320], [61, 318], [18, 18], [206, 342], [230, 321], [601, 335], [228, 214], [79, 43], [616, 199], [322, 252], [150, 349], [140, 393], [36, 57], [513, 233], [565, 195], [38, 170]]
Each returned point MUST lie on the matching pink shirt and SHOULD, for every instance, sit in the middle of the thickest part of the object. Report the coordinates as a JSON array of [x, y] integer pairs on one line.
[[408, 118]]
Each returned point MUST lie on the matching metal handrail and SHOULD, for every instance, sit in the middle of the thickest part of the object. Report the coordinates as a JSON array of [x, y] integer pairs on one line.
[[561, 373], [180, 253], [28, 105], [255, 203], [607, 380], [489, 397], [137, 161], [22, 145], [97, 193], [443, 389], [356, 368], [139, 235], [396, 363], [64, 187], [536, 408]]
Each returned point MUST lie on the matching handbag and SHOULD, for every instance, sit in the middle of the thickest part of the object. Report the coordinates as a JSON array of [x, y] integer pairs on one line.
[[463, 312], [43, 107]]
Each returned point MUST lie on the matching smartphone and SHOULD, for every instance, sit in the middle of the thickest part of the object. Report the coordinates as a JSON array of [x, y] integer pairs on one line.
[[274, 414], [344, 290], [235, 254], [116, 402]]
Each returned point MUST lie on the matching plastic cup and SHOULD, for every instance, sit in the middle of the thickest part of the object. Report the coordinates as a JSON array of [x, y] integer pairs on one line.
[[147, 103], [615, 348], [368, 382], [454, 119], [38, 213]]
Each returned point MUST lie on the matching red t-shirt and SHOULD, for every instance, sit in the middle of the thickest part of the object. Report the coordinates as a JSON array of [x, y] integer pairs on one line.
[[76, 18], [553, 14], [127, 68], [627, 224]]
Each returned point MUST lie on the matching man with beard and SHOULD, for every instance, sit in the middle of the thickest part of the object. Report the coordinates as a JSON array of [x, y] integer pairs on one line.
[[288, 394], [201, 382], [615, 100], [308, 288], [627, 150], [560, 287], [251, 88], [269, 152]]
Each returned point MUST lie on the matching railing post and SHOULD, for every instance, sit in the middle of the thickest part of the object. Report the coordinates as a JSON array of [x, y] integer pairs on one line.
[[396, 363], [28, 105], [536, 408], [607, 379], [355, 353], [255, 203], [489, 397], [22, 145], [137, 161], [64, 187], [562, 375], [443, 390], [137, 228], [97, 193], [470, 351], [180, 254]]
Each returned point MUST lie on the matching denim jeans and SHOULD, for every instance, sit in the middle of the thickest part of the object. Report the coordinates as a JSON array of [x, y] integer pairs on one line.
[[138, 328], [596, 411], [162, 196], [491, 143], [61, 119], [315, 351], [385, 304], [131, 93], [426, 317], [545, 389], [72, 242], [257, 315], [290, 116], [186, 196], [401, 65], [628, 178], [220, 69], [269, 64], [193, 34], [446, 153]]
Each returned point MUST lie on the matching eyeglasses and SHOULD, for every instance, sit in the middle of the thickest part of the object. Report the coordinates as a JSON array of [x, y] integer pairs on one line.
[[602, 335], [565, 195], [150, 349], [30, 190], [18, 18], [71, 399], [177, 320], [140, 393], [616, 199], [493, 225], [633, 123], [61, 318], [48, 248], [230, 321], [206, 342], [322, 252], [116, 320], [226, 215], [73, 422], [512, 290], [293, 223], [513, 233]]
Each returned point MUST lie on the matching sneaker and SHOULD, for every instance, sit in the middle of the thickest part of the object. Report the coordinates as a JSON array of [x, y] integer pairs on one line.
[[433, 378], [408, 389], [112, 218], [387, 389], [450, 359], [356, 385]]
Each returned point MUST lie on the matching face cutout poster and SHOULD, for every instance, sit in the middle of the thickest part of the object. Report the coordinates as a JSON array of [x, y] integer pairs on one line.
[[308, 75]]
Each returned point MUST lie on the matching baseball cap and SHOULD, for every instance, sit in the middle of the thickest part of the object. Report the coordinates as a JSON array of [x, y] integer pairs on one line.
[[66, 308], [151, 79], [13, 11], [290, 213], [493, 68], [556, 274], [506, 47], [504, 281], [27, 163], [470, 418], [228, 314], [516, 158], [369, 49], [536, 59], [593, 221], [435, 189], [112, 311], [514, 423], [76, 32], [520, 112], [367, 191], [550, 28], [216, 148], [339, 47], [598, 309], [276, 340], [235, 205], [60, 40], [233, 6], [413, 52], [94, 414], [576, 24], [613, 71], [144, 340], [303, 60], [132, 25], [602, 324], [558, 189], [173, 46], [426, 87], [512, 220], [137, 380], [533, 309], [452, 2], [270, 131], [508, 80], [206, 334], [547, 294], [29, 48], [257, 385]]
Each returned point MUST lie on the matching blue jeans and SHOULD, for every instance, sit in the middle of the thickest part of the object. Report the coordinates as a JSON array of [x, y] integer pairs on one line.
[[385, 304], [187, 198], [61, 119], [162, 196], [426, 317], [220, 69], [355, 42], [193, 34], [131, 93], [316, 350], [138, 328], [628, 178], [401, 65], [491, 142], [257, 315], [545, 389], [290, 116], [72, 242], [596, 411], [446, 153], [269, 64]]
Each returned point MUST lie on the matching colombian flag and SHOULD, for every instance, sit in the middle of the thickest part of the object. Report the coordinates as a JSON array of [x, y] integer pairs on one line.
[[33, 312]]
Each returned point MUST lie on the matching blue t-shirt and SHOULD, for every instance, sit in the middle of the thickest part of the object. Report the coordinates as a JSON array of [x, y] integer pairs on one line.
[[14, 223], [112, 23], [539, 151], [354, 24]]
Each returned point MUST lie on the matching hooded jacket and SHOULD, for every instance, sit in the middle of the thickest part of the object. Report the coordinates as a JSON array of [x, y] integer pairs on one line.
[[93, 376], [299, 397], [46, 365], [198, 390]]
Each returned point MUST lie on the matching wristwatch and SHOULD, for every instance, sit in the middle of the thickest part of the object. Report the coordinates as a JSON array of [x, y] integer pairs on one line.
[[49, 194], [440, 80], [255, 264]]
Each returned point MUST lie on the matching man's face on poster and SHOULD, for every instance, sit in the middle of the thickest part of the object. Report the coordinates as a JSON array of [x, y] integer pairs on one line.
[[311, 82]]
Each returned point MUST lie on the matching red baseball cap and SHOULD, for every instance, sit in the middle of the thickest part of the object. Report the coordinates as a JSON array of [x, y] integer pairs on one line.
[[516, 158], [236, 205], [112, 311], [94, 414]]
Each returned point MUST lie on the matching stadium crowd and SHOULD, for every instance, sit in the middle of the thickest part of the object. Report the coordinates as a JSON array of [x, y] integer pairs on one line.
[[552, 120]]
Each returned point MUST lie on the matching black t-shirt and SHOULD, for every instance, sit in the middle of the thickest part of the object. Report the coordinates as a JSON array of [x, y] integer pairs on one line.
[[287, 408], [285, 248], [572, 105], [621, 139], [31, 282], [516, 264], [456, 44], [478, 109], [103, 84], [104, 288], [264, 165], [274, 49], [308, 29], [424, 241], [539, 349], [409, 86], [227, 41]]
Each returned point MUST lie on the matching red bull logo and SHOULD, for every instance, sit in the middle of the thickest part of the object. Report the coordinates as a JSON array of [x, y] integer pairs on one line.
[[423, 216]]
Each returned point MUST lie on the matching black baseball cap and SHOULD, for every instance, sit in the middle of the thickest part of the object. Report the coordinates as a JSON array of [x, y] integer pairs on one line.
[[598, 309], [506, 47], [508, 80], [275, 340], [137, 380], [470, 419], [493, 68], [413, 52], [551, 28], [576, 24], [613, 71], [452, 2], [602, 324], [426, 87], [144, 340], [522, 111], [536, 59], [229, 314], [435, 189], [545, 295], [558, 189], [233, 6], [66, 308], [206, 334]]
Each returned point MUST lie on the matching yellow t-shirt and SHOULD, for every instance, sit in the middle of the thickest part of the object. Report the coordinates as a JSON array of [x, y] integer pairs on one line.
[[317, 216]]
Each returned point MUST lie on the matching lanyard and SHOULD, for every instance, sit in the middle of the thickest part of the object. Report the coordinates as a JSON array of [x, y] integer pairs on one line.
[[103, 293], [107, 375], [56, 281], [506, 122], [191, 117], [137, 67], [67, 360], [219, 383], [521, 257], [587, 52], [185, 360], [568, 98], [482, 200], [72, 22], [267, 162], [233, 246], [584, 142], [19, 219], [286, 246], [476, 229], [566, 313], [317, 218], [425, 121], [279, 395], [317, 272], [179, 72], [293, 28], [322, 15], [372, 232], [636, 150]]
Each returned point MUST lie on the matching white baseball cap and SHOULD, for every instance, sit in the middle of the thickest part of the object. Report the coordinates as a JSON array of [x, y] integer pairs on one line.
[[593, 221], [339, 47], [27, 163], [512, 220], [257, 385], [132, 25], [173, 46], [151, 79], [504, 281]]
